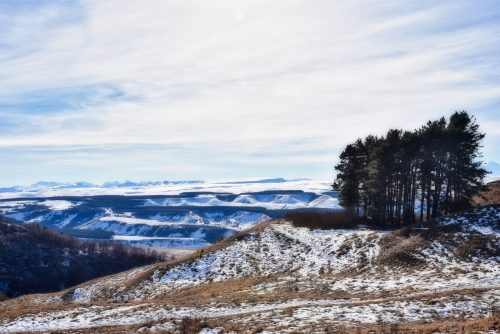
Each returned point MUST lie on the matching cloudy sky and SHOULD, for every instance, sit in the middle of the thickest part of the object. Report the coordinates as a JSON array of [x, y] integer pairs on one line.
[[179, 89]]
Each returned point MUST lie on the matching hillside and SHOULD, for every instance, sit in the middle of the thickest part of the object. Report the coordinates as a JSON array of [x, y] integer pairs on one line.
[[489, 196], [36, 259], [283, 279]]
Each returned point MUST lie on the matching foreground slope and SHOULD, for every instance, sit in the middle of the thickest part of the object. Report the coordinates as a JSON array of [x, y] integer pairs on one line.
[[280, 278], [489, 196]]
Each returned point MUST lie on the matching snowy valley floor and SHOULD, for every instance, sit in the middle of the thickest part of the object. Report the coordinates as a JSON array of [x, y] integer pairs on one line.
[[277, 278]]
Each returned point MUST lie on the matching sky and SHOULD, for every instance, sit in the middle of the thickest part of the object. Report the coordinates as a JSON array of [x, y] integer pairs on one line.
[[229, 89]]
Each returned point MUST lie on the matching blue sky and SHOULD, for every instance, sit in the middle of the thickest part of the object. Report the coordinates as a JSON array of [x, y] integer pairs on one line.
[[144, 90]]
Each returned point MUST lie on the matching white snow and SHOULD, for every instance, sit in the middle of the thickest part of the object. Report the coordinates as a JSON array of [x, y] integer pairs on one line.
[[279, 249], [133, 240], [126, 225], [274, 201], [483, 220], [303, 312], [208, 210], [58, 205], [131, 220], [66, 221]]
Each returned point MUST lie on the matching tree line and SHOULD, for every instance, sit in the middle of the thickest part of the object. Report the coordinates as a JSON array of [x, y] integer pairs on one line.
[[37, 259], [409, 176]]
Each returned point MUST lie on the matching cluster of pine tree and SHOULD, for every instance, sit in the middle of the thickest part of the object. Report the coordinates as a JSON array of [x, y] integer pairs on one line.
[[409, 176]]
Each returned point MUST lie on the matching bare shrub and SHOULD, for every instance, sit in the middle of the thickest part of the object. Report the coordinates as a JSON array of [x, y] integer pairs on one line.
[[323, 220], [258, 329], [477, 244], [401, 251], [192, 325]]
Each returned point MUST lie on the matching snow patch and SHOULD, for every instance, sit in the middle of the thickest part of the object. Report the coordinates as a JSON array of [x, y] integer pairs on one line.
[[58, 205]]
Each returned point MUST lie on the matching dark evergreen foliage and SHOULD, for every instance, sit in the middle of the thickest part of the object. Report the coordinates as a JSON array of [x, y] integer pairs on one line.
[[408, 176]]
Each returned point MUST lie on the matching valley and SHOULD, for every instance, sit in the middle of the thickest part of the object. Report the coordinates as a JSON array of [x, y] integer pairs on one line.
[[171, 217]]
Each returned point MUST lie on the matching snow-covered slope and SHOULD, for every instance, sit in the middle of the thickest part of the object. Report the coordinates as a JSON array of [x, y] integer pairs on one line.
[[284, 279], [484, 220], [282, 248], [288, 279]]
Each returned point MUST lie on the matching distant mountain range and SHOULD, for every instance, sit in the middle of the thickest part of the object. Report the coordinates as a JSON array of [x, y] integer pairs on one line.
[[491, 166], [83, 184], [131, 184], [112, 184], [196, 185]]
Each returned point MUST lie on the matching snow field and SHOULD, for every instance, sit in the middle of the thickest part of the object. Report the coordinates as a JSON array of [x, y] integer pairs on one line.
[[286, 316]]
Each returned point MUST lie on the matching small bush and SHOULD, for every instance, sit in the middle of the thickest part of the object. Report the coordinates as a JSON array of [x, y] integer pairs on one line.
[[258, 329], [323, 220], [192, 325], [399, 251], [477, 245]]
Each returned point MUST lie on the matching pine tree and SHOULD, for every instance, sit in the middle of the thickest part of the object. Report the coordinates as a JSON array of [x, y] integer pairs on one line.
[[465, 175], [349, 178]]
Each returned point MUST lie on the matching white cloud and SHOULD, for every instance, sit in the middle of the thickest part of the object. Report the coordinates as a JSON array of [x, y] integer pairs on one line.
[[248, 79]]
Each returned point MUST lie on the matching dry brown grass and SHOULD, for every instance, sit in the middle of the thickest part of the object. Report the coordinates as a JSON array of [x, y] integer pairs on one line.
[[477, 326], [232, 296], [196, 295], [323, 220], [402, 247], [192, 325], [189, 326], [489, 196], [477, 244], [398, 250]]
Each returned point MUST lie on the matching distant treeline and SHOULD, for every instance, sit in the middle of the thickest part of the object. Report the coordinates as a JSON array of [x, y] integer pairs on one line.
[[409, 176], [37, 259]]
